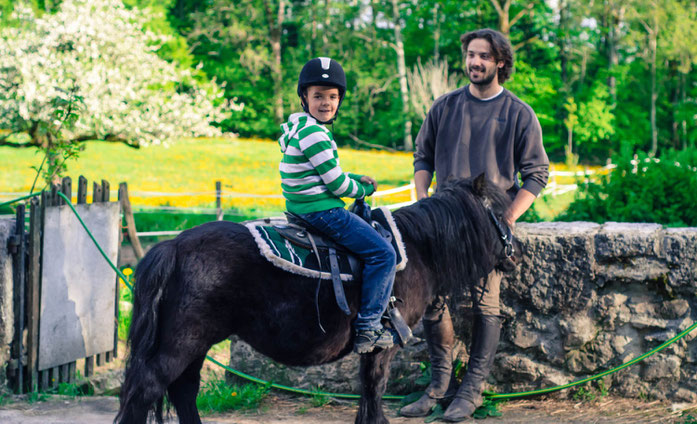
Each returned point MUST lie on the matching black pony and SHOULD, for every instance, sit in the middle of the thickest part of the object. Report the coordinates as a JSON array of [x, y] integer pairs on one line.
[[211, 282]]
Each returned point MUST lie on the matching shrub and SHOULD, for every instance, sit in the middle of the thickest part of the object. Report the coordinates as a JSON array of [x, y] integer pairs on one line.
[[641, 189]]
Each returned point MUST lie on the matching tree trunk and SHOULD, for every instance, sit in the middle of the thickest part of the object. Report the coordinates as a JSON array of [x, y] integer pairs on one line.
[[402, 71], [313, 39], [683, 99], [615, 16], [503, 11], [563, 42], [653, 35], [374, 4], [327, 26], [436, 32], [675, 100], [569, 143], [275, 30]]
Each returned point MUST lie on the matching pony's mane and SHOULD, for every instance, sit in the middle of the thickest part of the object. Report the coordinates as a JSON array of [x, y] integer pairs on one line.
[[453, 232]]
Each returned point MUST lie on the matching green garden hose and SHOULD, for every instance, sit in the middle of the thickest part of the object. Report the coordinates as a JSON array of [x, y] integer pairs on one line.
[[19, 199], [489, 395]]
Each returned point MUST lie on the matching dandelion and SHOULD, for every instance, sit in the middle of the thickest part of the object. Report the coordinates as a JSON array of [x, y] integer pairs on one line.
[[127, 272], [233, 394]]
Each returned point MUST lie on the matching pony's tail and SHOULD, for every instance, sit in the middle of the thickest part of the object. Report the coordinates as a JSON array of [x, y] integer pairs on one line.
[[152, 276]]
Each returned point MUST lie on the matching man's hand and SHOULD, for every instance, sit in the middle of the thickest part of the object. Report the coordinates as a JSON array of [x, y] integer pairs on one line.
[[523, 200], [370, 180]]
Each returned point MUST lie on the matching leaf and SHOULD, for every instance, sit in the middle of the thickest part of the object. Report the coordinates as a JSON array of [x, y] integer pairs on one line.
[[488, 409], [411, 398], [436, 414]]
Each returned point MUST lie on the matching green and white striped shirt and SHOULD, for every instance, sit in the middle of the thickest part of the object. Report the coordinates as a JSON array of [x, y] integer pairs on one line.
[[311, 177]]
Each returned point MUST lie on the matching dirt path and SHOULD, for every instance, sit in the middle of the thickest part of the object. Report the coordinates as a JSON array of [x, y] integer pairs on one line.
[[284, 409]]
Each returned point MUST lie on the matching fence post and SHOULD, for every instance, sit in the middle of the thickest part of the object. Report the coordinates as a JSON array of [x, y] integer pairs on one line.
[[18, 249], [32, 308], [130, 221], [218, 202], [47, 199], [81, 200], [412, 193]]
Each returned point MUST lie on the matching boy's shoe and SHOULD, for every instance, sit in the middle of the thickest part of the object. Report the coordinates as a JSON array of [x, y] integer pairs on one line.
[[368, 340]]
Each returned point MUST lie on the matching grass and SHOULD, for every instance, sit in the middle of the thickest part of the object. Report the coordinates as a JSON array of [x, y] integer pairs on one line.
[[125, 303], [548, 207], [187, 171], [193, 166], [216, 396]]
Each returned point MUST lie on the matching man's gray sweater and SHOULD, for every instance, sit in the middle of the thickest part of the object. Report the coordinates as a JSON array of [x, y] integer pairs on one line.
[[463, 136]]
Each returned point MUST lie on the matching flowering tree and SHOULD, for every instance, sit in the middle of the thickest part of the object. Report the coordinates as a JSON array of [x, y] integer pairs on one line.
[[99, 49]]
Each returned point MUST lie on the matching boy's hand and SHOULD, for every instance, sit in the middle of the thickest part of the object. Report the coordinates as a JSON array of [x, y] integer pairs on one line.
[[369, 180]]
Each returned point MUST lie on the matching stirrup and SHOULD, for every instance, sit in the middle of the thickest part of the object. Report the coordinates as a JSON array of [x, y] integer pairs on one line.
[[398, 324]]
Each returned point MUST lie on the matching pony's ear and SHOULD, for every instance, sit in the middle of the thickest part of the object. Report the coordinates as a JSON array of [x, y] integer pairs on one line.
[[479, 184]]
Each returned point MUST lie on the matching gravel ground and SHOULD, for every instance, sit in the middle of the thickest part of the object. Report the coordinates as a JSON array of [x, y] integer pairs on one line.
[[286, 409]]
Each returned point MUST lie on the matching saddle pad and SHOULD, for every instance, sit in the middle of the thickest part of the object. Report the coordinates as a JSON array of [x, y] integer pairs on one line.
[[302, 261]]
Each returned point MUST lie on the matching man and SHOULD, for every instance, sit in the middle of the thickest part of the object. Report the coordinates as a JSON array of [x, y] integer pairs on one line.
[[481, 127]]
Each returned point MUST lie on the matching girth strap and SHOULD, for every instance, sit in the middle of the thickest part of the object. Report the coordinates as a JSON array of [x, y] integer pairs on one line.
[[336, 281], [319, 281]]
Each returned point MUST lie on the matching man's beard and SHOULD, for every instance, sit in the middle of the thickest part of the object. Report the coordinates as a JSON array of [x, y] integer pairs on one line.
[[488, 78]]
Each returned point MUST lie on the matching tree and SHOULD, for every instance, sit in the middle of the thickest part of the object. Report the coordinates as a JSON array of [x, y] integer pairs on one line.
[[503, 11], [100, 49], [402, 72], [651, 15], [241, 44], [274, 19], [682, 26], [589, 122]]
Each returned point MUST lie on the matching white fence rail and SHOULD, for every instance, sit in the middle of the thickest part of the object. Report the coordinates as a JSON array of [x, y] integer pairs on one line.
[[553, 188]]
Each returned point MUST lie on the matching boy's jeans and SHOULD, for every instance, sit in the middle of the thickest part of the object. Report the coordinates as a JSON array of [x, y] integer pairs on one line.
[[377, 254]]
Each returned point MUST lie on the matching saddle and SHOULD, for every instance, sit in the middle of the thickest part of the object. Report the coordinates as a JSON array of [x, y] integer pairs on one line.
[[294, 245]]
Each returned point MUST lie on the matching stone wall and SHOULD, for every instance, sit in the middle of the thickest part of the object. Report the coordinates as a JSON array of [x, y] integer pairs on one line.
[[586, 298], [590, 297], [7, 228]]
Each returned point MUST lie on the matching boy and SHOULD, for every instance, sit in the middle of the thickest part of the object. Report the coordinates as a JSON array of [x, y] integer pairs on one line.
[[313, 184]]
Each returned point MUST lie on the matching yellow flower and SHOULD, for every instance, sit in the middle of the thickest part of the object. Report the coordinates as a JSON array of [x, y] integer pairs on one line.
[[127, 272], [233, 394]]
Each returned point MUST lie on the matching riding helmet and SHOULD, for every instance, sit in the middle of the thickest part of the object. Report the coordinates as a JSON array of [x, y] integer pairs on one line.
[[322, 71]]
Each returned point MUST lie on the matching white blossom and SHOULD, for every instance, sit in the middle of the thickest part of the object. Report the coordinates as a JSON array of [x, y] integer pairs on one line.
[[101, 48]]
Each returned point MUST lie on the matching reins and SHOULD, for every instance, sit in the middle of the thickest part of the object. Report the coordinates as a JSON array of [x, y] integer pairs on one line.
[[505, 236]]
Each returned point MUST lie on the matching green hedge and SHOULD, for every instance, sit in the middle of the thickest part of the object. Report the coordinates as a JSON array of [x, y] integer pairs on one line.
[[641, 189]]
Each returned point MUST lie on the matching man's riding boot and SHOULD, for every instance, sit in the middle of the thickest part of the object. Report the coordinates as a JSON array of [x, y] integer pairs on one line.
[[438, 329], [485, 340]]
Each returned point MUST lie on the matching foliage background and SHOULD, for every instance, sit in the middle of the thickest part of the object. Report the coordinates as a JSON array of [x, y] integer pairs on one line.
[[596, 70], [606, 78]]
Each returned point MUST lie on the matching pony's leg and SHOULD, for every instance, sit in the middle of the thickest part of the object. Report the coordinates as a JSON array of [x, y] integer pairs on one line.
[[147, 382], [375, 371], [183, 391], [145, 387]]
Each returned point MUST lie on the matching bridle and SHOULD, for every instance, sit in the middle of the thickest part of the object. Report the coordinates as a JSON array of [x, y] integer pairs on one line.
[[506, 235]]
